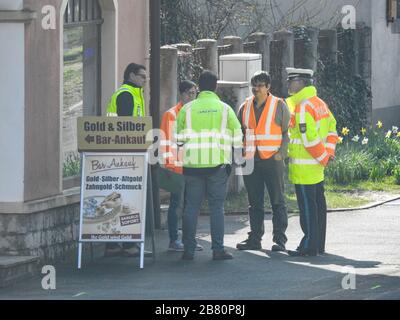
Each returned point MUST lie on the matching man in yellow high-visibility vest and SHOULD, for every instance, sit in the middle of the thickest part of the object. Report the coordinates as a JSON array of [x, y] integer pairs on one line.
[[128, 100], [312, 145]]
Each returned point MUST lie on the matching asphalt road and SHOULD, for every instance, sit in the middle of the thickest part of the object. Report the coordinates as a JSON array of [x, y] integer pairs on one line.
[[361, 243]]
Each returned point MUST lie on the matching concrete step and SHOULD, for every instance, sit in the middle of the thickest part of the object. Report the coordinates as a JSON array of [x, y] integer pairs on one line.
[[16, 268]]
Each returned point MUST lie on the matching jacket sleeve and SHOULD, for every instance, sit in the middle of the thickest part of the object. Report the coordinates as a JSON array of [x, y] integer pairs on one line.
[[179, 133], [166, 141], [125, 104], [310, 136], [332, 138], [282, 118], [236, 129]]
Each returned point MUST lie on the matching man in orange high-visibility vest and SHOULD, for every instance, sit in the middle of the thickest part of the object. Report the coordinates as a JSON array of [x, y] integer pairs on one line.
[[265, 123], [172, 155]]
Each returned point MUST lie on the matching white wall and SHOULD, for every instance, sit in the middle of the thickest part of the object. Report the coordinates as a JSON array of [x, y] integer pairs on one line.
[[385, 59], [11, 4], [12, 105]]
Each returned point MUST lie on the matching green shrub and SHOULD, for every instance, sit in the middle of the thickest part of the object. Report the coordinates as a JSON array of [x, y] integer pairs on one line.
[[351, 165], [396, 174], [71, 165]]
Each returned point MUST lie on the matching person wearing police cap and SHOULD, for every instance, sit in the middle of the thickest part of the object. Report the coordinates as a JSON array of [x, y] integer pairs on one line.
[[313, 139]]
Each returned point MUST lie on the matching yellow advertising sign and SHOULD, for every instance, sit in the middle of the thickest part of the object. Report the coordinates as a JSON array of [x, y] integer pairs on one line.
[[114, 134]]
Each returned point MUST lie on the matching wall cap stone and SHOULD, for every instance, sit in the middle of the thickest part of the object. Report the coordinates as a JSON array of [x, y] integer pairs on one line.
[[22, 16], [68, 197]]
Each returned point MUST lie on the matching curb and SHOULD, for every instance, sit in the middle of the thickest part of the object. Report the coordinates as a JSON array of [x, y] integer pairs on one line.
[[369, 206]]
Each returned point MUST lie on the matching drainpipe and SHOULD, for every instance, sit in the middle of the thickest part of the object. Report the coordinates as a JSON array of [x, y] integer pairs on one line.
[[155, 38]]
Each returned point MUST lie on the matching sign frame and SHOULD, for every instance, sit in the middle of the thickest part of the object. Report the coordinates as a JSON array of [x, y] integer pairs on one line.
[[144, 208]]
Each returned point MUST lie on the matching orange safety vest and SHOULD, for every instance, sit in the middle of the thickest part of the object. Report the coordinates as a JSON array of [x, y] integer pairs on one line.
[[170, 152], [264, 136]]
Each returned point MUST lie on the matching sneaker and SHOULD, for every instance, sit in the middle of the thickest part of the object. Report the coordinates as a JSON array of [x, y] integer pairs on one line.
[[278, 247], [187, 256], [175, 246], [199, 247], [222, 255], [134, 252], [248, 245]]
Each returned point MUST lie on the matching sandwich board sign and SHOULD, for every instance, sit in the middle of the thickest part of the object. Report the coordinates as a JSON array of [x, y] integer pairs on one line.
[[113, 181]]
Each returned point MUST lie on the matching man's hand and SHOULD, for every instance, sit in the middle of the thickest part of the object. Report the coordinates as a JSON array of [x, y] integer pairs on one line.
[[278, 157], [331, 158]]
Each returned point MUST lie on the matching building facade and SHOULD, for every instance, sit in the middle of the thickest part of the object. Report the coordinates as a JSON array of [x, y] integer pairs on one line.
[[38, 40]]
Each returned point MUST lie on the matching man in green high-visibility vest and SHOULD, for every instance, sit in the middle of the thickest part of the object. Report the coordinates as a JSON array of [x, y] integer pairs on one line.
[[128, 100], [208, 130]]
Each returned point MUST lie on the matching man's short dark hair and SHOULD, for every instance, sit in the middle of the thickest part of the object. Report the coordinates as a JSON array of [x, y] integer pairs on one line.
[[186, 85], [132, 67], [208, 81], [261, 76]]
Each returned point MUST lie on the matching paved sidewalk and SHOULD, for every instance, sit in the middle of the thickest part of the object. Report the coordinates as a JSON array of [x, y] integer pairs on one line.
[[367, 240]]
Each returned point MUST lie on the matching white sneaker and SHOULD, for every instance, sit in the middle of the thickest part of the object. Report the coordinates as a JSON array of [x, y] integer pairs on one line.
[[176, 245]]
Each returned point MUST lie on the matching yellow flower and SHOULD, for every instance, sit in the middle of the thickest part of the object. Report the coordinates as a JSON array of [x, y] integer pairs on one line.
[[379, 124], [340, 140], [398, 134], [345, 131], [363, 131]]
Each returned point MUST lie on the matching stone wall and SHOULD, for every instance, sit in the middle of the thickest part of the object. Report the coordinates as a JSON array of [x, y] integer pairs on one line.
[[50, 235]]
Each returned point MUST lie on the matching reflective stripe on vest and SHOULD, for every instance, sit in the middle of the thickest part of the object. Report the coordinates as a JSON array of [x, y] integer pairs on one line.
[[264, 136]]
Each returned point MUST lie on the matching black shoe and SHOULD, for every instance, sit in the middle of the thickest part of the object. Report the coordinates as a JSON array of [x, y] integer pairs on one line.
[[187, 256], [248, 245], [278, 247], [222, 255], [298, 253]]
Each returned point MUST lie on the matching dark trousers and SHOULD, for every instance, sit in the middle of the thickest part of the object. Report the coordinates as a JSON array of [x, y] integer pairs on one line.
[[267, 173], [312, 205]]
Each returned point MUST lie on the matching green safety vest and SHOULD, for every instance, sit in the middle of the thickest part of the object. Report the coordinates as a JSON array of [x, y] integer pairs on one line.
[[303, 167], [139, 109], [208, 129]]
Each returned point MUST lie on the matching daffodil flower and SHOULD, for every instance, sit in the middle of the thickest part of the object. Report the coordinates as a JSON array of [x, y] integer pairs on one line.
[[388, 134], [395, 130], [340, 140], [379, 124], [355, 138], [364, 141], [345, 131], [398, 134], [363, 131]]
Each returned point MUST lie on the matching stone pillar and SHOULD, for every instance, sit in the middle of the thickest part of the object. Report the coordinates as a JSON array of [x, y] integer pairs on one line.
[[287, 56], [185, 60], [263, 42], [210, 60], [168, 77], [306, 50], [184, 47], [327, 45], [236, 43]]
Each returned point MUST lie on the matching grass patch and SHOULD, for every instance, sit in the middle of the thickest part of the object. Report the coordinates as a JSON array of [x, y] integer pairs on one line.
[[388, 184], [337, 196]]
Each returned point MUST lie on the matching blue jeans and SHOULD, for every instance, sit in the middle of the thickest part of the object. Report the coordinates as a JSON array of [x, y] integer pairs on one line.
[[197, 187], [174, 205]]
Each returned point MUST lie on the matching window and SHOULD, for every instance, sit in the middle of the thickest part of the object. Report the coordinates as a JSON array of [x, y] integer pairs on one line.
[[82, 81]]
